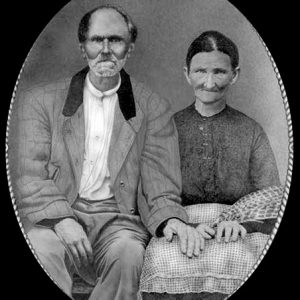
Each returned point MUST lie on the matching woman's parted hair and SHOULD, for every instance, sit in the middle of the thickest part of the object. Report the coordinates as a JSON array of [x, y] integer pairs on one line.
[[209, 41]]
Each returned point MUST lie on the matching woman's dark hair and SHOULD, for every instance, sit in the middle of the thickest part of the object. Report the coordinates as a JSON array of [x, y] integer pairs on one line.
[[209, 41], [85, 22]]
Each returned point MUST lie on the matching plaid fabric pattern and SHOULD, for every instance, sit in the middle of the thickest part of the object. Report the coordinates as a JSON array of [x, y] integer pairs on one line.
[[260, 205], [220, 267]]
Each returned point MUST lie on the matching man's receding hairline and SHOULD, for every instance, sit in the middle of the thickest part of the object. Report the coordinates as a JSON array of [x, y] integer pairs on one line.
[[111, 9], [107, 8], [86, 20]]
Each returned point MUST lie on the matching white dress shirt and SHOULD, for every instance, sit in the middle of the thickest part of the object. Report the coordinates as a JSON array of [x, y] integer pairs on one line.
[[99, 110]]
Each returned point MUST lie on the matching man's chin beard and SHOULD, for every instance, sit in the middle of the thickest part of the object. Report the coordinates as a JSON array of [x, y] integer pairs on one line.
[[105, 72]]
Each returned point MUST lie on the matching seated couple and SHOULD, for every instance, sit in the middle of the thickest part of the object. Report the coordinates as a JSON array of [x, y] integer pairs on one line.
[[97, 168]]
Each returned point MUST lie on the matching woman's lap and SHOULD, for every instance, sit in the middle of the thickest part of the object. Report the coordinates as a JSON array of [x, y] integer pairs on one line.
[[220, 268]]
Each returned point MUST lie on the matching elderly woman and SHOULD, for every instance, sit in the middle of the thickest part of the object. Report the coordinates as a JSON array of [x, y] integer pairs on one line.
[[228, 171]]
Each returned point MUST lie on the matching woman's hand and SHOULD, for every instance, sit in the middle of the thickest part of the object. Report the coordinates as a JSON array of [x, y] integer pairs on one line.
[[205, 233], [230, 230]]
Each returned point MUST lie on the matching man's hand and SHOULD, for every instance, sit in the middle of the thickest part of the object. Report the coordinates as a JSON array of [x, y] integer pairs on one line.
[[188, 236], [205, 232], [231, 231], [73, 235]]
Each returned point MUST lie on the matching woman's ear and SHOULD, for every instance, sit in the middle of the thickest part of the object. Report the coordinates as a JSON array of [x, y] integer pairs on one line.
[[236, 74], [187, 75]]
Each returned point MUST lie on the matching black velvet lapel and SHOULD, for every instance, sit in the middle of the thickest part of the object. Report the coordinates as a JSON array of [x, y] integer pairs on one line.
[[75, 95], [125, 95]]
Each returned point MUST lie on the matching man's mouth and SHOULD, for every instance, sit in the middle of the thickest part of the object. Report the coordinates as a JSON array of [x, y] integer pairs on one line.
[[106, 64], [105, 61]]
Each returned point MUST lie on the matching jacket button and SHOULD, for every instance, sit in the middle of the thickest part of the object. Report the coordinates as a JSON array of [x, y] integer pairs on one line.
[[132, 210], [122, 184]]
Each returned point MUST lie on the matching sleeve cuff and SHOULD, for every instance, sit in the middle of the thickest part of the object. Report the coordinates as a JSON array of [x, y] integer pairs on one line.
[[162, 215], [50, 223], [55, 210], [265, 227]]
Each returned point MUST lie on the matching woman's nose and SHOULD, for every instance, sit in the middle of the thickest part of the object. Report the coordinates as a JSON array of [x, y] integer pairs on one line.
[[209, 81]]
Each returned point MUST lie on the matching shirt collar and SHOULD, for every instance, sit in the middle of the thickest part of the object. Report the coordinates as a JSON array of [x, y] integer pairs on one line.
[[99, 93], [75, 94]]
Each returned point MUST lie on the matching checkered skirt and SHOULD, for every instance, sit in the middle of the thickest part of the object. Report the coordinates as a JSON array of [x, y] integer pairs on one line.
[[221, 267]]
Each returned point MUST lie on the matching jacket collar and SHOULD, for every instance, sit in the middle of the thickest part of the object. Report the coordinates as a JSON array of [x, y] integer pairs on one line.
[[75, 95]]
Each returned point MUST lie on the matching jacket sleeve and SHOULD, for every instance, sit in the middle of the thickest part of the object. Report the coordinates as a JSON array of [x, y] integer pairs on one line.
[[38, 198], [160, 168]]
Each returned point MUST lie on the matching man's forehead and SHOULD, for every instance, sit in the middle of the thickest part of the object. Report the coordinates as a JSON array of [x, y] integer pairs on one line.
[[107, 22]]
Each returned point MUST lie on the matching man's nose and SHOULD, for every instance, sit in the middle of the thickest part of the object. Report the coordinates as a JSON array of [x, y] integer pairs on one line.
[[106, 46]]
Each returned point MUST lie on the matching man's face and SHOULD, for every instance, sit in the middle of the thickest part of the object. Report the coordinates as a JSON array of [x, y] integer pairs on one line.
[[107, 46], [211, 75]]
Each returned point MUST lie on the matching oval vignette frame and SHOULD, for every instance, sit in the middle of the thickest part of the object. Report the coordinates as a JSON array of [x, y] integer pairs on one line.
[[289, 134]]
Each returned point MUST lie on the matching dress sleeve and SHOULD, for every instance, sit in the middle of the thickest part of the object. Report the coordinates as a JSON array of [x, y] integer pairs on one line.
[[263, 173], [263, 168], [266, 226]]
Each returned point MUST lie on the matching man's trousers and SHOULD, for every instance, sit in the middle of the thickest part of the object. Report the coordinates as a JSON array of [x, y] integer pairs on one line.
[[118, 242]]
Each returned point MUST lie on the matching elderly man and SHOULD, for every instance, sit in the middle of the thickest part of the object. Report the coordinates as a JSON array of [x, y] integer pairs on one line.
[[98, 166]]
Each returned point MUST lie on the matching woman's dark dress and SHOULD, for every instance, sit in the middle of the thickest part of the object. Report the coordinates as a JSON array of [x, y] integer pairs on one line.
[[223, 158]]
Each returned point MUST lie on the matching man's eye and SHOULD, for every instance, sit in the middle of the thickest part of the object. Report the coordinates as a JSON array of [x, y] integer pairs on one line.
[[202, 71], [220, 72], [115, 40], [97, 40]]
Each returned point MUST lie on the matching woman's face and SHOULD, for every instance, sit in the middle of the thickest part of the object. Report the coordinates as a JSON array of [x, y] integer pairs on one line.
[[211, 75]]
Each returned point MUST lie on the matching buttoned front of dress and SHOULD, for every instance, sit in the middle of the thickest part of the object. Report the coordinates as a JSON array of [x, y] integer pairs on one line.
[[223, 157]]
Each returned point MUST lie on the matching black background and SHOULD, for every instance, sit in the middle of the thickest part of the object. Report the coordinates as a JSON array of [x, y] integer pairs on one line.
[[276, 276]]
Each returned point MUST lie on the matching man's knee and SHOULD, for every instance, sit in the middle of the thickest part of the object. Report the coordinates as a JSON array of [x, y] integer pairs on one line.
[[45, 242], [128, 246], [52, 255], [128, 250]]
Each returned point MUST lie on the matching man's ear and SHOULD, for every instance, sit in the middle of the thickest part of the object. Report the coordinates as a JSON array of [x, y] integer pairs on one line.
[[186, 74], [130, 49], [82, 50], [236, 74]]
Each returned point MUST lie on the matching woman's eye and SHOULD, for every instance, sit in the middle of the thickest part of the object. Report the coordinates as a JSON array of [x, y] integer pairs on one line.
[[201, 71]]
